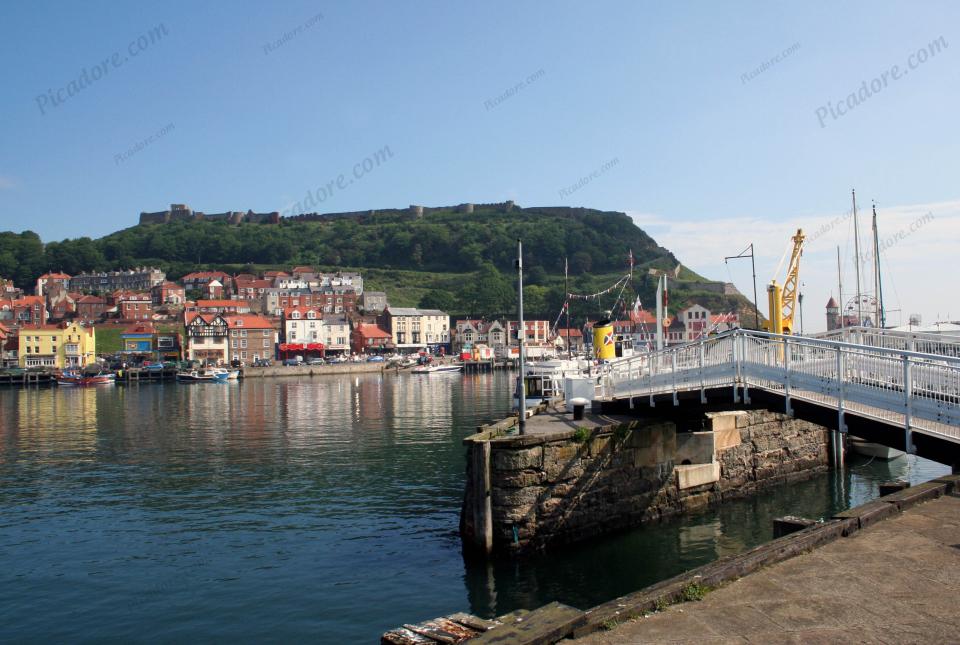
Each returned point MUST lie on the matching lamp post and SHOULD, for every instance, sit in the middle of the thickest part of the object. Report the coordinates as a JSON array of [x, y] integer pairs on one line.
[[800, 302], [753, 266]]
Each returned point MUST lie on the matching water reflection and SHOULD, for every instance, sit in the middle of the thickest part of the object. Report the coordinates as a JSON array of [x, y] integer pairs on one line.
[[282, 509]]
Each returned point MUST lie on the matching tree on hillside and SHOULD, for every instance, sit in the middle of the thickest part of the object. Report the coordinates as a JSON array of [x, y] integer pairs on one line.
[[488, 294], [439, 299]]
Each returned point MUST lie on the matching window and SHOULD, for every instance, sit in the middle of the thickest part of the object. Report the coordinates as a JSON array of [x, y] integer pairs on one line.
[[239, 323]]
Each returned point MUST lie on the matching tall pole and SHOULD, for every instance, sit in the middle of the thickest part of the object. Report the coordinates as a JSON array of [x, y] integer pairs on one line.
[[840, 287], [856, 251], [881, 317], [756, 309], [566, 305], [660, 282], [521, 336], [800, 303], [753, 267]]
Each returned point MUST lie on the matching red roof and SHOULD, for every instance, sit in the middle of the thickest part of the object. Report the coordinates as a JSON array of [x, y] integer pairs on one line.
[[54, 276], [207, 318], [223, 303], [303, 269], [371, 331], [574, 333], [92, 300], [287, 311], [249, 321]]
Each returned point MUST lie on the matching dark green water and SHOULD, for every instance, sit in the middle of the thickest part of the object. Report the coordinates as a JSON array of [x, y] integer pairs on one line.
[[321, 509]]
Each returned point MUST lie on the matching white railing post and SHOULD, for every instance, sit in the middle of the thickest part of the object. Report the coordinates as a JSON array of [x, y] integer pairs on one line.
[[907, 404], [741, 339], [654, 359], [703, 393], [736, 371], [788, 410], [841, 420], [673, 368]]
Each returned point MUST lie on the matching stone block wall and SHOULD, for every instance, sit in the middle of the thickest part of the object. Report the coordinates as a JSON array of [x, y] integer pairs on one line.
[[528, 492]]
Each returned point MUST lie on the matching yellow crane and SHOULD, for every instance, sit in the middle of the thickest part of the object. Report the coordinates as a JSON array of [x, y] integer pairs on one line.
[[783, 298]]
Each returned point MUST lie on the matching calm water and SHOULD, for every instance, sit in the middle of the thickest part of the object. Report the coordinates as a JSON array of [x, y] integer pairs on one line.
[[322, 509]]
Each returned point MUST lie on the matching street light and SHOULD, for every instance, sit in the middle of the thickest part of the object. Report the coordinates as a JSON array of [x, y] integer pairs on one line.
[[800, 301], [744, 254]]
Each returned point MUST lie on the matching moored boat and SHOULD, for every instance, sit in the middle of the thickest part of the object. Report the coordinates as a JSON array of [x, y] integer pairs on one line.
[[71, 378], [870, 449], [434, 369], [203, 376]]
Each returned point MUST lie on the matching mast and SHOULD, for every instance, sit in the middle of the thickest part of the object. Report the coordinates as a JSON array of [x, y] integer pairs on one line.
[[840, 287], [856, 251], [878, 283], [659, 312], [521, 336], [566, 305]]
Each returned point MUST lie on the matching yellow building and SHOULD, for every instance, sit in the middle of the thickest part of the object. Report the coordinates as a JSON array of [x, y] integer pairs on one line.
[[64, 345]]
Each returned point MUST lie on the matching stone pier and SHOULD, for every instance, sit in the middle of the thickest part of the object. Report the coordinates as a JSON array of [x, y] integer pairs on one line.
[[564, 480]]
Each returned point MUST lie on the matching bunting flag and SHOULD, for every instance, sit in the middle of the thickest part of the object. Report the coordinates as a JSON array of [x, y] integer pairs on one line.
[[592, 296]]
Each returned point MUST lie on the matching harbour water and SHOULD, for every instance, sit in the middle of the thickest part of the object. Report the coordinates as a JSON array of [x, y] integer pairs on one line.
[[322, 509]]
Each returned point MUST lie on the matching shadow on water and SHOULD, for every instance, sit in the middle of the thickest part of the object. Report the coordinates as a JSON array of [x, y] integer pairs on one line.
[[598, 570]]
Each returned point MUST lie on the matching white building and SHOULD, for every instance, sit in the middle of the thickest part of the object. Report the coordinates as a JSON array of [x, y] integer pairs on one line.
[[416, 328]]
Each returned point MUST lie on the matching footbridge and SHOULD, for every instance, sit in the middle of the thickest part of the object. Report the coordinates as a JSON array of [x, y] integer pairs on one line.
[[900, 389]]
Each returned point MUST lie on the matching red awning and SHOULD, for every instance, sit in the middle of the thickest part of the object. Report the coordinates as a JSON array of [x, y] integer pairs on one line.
[[291, 347], [315, 347]]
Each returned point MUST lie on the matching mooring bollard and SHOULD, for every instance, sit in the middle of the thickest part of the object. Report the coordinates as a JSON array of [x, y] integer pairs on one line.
[[579, 405]]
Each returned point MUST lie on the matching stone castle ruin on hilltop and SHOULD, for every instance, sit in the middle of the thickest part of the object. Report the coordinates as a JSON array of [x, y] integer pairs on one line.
[[183, 213]]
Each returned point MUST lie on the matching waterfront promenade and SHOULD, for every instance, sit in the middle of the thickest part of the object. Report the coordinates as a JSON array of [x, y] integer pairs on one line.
[[893, 582]]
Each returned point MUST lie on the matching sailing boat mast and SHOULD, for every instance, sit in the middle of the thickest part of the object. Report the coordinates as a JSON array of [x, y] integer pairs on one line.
[[840, 287], [856, 250], [878, 284], [566, 304]]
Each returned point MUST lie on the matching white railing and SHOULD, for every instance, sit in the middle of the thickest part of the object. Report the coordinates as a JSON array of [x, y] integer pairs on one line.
[[922, 342], [917, 391]]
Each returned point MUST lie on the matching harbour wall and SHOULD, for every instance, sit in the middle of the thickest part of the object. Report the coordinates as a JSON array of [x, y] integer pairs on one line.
[[312, 370], [528, 492]]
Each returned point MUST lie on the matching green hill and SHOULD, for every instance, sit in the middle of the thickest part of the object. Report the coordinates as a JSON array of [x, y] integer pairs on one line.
[[462, 261]]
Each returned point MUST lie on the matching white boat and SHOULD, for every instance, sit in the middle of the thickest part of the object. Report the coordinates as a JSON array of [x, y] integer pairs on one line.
[[544, 380], [870, 449], [434, 369], [216, 375], [225, 374]]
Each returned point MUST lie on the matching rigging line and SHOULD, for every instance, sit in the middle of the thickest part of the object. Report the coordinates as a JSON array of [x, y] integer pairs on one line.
[[783, 257]]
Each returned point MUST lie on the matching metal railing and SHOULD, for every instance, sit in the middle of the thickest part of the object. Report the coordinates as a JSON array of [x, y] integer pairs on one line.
[[917, 391], [922, 342]]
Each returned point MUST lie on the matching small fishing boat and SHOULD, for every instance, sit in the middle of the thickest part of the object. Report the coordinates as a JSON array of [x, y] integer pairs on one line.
[[71, 378], [435, 369], [225, 374], [203, 376]]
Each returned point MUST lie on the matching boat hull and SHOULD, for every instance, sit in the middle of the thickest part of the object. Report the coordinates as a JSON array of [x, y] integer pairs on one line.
[[437, 369], [86, 381], [870, 449]]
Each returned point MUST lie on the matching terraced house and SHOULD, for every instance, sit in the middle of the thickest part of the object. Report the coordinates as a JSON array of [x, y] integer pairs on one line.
[[252, 337], [64, 345]]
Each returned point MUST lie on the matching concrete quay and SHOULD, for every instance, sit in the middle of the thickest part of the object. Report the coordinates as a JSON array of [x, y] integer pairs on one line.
[[895, 581]]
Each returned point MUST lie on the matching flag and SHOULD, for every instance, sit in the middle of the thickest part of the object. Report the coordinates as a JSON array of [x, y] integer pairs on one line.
[[635, 314]]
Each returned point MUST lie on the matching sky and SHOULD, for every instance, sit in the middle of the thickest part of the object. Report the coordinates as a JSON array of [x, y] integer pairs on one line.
[[714, 125]]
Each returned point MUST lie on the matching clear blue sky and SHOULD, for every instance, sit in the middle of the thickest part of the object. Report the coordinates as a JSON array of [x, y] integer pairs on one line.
[[660, 89]]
